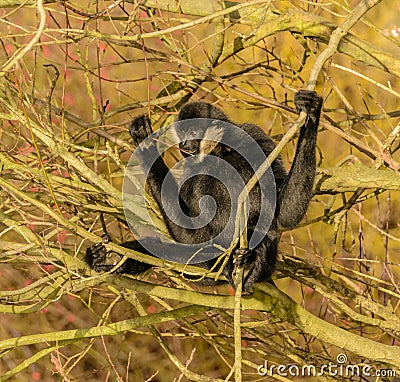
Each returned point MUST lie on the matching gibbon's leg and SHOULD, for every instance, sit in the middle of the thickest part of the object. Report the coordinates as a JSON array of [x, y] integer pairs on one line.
[[258, 263], [101, 260], [297, 189]]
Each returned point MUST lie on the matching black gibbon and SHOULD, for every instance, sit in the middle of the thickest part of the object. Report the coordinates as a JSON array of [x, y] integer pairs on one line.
[[293, 190]]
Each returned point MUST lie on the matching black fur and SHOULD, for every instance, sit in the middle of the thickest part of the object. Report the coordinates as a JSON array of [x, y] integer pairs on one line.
[[294, 191]]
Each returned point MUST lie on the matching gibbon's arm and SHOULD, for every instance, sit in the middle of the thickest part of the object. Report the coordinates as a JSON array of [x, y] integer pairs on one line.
[[297, 189], [140, 129]]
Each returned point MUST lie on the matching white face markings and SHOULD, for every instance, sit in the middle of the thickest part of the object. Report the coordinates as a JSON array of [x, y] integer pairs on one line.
[[173, 134], [208, 142], [211, 139]]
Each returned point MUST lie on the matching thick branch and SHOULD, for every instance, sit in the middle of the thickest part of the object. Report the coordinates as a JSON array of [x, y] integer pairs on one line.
[[350, 178], [273, 301]]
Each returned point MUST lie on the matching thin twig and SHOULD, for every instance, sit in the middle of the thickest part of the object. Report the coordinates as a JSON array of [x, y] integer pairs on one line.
[[21, 53], [336, 36]]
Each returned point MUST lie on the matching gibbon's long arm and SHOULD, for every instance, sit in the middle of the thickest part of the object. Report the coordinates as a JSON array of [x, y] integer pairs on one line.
[[140, 129], [296, 191]]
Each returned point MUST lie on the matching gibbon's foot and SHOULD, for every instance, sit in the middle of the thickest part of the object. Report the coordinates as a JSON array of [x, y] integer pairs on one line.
[[308, 101], [243, 256], [140, 129], [99, 259]]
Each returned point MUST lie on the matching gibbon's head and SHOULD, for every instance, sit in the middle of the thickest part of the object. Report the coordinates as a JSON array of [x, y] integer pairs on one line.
[[205, 128], [201, 109]]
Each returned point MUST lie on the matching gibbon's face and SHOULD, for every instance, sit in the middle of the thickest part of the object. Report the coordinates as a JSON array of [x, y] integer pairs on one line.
[[191, 147], [208, 144]]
